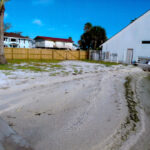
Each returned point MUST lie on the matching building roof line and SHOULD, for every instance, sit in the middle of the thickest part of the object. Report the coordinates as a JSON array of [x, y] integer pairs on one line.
[[18, 37], [127, 26], [54, 39], [14, 35]]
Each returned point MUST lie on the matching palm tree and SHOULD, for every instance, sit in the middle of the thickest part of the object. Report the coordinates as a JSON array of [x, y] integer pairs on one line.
[[87, 27], [98, 36], [2, 9]]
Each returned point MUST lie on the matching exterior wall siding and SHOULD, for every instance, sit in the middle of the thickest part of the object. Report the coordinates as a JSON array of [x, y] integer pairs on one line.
[[49, 44], [52, 44]]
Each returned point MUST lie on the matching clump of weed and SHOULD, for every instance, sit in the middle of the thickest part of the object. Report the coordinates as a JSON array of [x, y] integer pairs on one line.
[[7, 73], [54, 74], [129, 94], [56, 66], [31, 68], [75, 71], [6, 67]]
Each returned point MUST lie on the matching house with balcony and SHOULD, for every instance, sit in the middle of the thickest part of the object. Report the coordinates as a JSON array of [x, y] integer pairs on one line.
[[54, 43], [16, 40]]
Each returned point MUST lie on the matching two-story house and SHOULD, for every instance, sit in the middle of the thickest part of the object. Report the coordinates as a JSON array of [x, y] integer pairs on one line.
[[49, 42], [16, 40]]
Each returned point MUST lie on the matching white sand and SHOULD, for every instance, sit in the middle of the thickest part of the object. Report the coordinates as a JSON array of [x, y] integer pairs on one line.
[[72, 112]]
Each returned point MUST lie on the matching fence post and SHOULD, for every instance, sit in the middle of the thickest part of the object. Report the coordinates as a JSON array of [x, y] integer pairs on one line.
[[52, 54], [41, 54], [12, 51], [66, 55], [28, 54], [79, 54]]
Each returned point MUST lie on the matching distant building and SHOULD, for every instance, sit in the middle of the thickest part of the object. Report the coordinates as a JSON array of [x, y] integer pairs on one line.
[[16, 40], [49, 42], [130, 44]]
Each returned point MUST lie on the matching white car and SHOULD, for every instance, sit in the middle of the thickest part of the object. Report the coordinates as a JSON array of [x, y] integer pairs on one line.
[[149, 63]]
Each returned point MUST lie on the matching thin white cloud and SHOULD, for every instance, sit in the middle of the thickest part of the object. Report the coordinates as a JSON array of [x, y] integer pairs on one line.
[[37, 22], [42, 2], [6, 15]]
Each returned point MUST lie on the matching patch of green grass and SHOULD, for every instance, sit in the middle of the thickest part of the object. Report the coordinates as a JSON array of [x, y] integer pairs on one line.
[[65, 73], [56, 66], [7, 73], [6, 67], [32, 65], [40, 64], [107, 64], [31, 68], [81, 71], [18, 61], [75, 66], [76, 71]]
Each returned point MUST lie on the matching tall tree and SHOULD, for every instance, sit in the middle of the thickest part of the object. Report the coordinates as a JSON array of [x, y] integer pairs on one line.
[[70, 38], [98, 36], [2, 9], [92, 37], [87, 27]]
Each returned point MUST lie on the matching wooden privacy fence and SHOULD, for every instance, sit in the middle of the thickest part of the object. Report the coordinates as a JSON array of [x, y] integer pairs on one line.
[[44, 54]]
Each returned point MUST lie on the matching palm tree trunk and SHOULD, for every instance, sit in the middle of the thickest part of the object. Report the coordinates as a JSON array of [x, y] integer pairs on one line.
[[95, 44], [2, 56]]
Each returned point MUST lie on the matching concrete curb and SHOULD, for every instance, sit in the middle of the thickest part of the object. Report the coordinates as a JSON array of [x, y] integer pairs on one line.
[[9, 140]]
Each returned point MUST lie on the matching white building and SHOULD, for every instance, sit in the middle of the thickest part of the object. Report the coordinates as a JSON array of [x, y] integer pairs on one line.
[[130, 44], [16, 40], [49, 42]]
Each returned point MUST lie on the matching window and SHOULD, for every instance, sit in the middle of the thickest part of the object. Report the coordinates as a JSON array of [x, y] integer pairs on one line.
[[145, 42], [114, 57], [5, 39], [107, 54], [13, 40]]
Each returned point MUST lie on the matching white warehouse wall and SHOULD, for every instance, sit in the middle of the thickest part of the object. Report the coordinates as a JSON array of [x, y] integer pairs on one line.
[[131, 38]]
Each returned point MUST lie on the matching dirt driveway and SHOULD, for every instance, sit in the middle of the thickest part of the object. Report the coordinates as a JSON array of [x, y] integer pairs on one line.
[[72, 112]]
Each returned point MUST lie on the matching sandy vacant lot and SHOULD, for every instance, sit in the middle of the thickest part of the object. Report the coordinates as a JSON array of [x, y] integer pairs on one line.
[[71, 106]]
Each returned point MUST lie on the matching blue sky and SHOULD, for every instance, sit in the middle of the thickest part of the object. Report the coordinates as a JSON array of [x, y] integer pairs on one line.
[[64, 18]]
